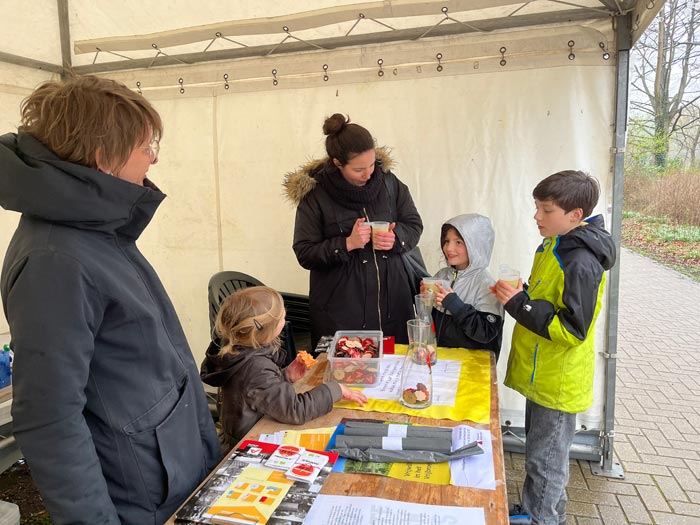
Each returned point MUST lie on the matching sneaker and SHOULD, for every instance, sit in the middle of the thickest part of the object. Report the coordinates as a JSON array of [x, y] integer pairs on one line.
[[517, 515]]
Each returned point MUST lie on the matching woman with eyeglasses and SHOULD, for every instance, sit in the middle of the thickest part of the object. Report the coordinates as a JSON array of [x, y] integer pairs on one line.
[[108, 407]]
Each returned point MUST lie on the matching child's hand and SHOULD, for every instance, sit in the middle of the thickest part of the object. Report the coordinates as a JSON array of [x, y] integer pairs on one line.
[[353, 395], [295, 371], [504, 291], [361, 232], [441, 293], [385, 240]]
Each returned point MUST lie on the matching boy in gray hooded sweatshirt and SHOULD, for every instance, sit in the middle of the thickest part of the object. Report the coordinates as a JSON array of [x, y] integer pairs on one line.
[[467, 316]]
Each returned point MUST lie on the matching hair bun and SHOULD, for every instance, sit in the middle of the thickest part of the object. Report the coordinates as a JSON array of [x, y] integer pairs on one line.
[[334, 124]]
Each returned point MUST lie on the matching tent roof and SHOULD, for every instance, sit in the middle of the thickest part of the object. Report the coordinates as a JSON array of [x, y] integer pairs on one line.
[[97, 37]]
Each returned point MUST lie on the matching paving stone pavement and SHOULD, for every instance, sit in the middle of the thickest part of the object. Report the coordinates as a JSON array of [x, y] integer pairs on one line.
[[657, 408]]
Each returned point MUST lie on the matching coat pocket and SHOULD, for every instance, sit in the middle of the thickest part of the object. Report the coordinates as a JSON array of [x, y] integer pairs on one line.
[[167, 446]]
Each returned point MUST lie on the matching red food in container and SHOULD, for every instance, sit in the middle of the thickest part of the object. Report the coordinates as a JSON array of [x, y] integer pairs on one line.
[[354, 357]]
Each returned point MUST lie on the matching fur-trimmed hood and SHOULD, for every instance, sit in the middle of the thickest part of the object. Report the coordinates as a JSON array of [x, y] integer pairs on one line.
[[297, 184]]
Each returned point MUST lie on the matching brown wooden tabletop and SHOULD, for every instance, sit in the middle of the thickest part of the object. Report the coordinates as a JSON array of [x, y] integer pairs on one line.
[[5, 394], [494, 502]]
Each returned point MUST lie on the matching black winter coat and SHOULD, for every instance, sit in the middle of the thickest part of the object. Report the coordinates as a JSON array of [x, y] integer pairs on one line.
[[345, 292], [108, 406]]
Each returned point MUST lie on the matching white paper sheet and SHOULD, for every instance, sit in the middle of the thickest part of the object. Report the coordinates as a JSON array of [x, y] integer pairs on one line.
[[473, 471], [275, 438], [351, 510], [445, 380]]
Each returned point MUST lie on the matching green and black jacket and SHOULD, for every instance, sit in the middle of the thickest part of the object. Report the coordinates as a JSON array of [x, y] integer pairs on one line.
[[552, 357]]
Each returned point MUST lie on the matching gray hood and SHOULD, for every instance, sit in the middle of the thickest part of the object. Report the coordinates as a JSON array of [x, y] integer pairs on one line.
[[478, 235], [472, 283]]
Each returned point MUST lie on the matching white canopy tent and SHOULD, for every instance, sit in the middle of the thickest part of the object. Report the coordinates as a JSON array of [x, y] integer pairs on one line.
[[478, 99]]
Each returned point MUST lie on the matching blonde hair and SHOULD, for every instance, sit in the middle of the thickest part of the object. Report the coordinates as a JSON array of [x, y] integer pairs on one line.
[[249, 317], [80, 116]]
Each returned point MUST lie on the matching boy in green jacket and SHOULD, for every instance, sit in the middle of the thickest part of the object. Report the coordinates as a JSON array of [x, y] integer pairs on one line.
[[552, 356]]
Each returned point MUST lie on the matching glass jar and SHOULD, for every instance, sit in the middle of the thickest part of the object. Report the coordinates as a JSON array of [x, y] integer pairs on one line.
[[417, 374]]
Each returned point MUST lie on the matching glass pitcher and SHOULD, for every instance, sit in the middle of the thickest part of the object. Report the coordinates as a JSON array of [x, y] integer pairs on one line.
[[417, 373]]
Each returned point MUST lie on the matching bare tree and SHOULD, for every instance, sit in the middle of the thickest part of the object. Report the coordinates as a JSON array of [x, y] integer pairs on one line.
[[666, 75], [687, 136]]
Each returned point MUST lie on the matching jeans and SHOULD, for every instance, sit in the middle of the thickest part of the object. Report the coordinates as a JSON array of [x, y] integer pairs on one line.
[[549, 435]]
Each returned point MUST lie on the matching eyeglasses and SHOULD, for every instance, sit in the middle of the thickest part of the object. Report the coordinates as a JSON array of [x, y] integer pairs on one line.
[[153, 149]]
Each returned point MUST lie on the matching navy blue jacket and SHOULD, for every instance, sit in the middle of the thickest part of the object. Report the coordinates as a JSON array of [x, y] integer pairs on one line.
[[108, 406]]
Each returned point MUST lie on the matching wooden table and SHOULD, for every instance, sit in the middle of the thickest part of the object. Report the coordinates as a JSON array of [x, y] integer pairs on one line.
[[494, 502]]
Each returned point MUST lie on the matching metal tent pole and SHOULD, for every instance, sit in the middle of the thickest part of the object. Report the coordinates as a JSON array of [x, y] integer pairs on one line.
[[64, 33], [607, 467]]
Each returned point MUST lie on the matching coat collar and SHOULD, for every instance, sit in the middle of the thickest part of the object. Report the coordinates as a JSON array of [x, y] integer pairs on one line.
[[299, 183]]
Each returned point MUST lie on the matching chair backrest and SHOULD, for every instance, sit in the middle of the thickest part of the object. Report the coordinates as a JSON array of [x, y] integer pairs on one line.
[[297, 307], [223, 284]]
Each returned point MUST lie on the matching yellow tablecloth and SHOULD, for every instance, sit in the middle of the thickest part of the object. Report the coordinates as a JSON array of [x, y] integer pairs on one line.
[[473, 399]]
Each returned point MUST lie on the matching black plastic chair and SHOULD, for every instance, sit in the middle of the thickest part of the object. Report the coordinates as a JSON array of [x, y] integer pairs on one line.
[[223, 284]]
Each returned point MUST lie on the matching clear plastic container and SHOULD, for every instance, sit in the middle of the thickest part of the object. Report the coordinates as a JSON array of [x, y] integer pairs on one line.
[[355, 371]]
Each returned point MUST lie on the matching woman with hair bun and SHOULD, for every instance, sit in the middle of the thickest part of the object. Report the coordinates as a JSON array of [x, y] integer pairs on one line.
[[358, 280]]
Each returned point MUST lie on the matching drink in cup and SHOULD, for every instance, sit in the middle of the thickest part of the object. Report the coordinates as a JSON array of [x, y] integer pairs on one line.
[[431, 284], [378, 226], [509, 275]]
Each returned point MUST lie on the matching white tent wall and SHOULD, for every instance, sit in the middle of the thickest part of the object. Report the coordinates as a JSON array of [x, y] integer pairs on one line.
[[475, 137], [476, 142]]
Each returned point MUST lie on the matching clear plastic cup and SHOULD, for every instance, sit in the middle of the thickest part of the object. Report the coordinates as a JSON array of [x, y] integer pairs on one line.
[[424, 303], [378, 226], [509, 275], [431, 284]]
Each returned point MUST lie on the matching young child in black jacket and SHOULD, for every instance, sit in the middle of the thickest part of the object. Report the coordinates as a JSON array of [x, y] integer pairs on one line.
[[467, 314]]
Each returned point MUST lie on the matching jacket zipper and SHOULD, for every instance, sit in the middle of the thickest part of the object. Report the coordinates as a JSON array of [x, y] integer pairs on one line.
[[534, 364], [530, 290]]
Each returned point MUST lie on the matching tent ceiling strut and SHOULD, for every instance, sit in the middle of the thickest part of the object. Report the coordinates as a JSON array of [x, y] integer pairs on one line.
[[554, 17], [64, 32]]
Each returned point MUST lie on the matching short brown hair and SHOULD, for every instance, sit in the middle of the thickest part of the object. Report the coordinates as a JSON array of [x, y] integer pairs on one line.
[[81, 115], [569, 190], [249, 317], [344, 140]]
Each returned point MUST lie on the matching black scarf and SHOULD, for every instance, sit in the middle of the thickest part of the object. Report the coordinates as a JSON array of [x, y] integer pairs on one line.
[[348, 195]]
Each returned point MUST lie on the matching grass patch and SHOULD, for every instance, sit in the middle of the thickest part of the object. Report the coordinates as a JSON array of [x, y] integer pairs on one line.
[[678, 233], [673, 245]]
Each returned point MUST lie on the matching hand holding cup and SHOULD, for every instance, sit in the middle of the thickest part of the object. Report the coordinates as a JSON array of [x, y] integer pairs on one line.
[[508, 284], [509, 275], [383, 236], [359, 236]]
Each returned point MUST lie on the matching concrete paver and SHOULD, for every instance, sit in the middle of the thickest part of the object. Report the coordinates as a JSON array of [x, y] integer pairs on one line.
[[657, 409]]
